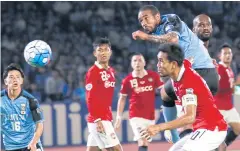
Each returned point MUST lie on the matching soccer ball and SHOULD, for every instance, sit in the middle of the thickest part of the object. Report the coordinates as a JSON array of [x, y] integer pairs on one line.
[[37, 53]]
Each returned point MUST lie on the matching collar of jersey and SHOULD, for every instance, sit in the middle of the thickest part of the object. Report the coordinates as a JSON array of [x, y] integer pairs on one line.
[[144, 74], [180, 73], [20, 94], [223, 64], [100, 66]]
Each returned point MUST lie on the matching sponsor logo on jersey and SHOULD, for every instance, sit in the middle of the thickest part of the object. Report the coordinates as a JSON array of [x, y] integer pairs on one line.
[[142, 82], [143, 89], [108, 84]]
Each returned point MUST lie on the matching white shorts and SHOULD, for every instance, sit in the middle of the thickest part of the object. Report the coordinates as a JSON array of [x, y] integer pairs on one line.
[[101, 140], [231, 115], [138, 123], [200, 140]]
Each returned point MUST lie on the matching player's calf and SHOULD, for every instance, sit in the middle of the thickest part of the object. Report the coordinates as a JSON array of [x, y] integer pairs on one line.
[[143, 144], [233, 134]]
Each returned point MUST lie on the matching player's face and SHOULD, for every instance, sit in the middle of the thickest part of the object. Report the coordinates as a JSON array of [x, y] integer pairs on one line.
[[14, 80], [138, 63], [226, 55], [148, 21], [165, 67], [103, 53], [203, 29]]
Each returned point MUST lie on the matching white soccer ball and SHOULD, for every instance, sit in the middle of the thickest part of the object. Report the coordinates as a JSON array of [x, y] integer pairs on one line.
[[38, 53], [168, 136]]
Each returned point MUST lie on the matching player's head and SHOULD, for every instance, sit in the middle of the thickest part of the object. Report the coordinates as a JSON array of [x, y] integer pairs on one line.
[[102, 50], [202, 27], [225, 53], [170, 58], [13, 76], [138, 62], [149, 18]]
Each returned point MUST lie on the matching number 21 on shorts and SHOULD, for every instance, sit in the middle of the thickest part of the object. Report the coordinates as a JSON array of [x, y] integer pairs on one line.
[[197, 134]]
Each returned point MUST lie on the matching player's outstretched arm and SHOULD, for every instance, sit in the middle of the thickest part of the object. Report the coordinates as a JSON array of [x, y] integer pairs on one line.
[[120, 108], [36, 137], [171, 37]]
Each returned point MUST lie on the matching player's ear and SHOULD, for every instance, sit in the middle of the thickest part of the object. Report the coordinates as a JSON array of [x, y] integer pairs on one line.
[[5, 81], [157, 17], [94, 53], [193, 30]]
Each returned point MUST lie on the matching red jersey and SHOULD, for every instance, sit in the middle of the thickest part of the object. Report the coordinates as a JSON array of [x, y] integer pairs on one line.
[[141, 93], [99, 86], [223, 97], [190, 88]]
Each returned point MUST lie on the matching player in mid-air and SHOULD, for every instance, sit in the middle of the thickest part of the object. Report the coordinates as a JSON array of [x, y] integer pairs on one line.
[[209, 127], [171, 29], [21, 116], [100, 83], [140, 86], [224, 95]]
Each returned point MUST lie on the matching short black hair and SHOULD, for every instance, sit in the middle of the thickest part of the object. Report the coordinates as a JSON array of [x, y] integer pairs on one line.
[[12, 66], [101, 41], [174, 52], [136, 54], [225, 45], [152, 8]]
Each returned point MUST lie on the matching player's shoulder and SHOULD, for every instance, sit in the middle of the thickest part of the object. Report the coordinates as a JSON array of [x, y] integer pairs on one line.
[[3, 92], [221, 66], [152, 73], [128, 77], [170, 18], [27, 95], [92, 69]]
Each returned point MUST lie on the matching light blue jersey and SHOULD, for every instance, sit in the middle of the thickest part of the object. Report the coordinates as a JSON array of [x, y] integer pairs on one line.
[[17, 121], [190, 43]]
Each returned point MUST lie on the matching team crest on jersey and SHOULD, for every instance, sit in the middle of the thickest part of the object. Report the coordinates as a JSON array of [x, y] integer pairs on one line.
[[89, 86], [23, 108], [189, 91], [150, 79]]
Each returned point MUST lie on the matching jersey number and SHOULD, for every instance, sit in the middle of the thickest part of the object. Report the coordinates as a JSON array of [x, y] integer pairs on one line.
[[16, 126], [104, 75]]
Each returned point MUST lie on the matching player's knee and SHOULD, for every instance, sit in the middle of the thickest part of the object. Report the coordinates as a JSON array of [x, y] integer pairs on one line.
[[143, 142], [236, 128]]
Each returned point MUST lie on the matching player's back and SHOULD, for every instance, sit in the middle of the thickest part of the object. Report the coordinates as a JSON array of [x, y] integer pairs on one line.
[[207, 114], [17, 123], [100, 85], [224, 95], [190, 43]]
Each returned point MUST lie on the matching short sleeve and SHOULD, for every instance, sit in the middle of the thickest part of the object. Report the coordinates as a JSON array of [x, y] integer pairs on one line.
[[125, 87], [173, 24]]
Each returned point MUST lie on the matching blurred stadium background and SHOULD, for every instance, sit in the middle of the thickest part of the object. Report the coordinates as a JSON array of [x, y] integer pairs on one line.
[[70, 28]]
